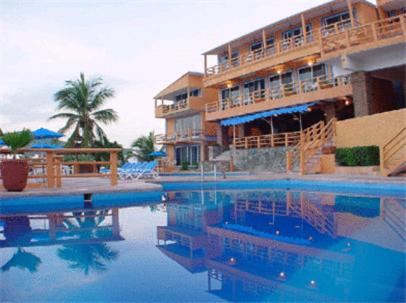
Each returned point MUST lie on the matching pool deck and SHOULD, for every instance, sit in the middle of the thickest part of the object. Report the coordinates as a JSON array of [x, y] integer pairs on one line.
[[100, 185], [85, 185]]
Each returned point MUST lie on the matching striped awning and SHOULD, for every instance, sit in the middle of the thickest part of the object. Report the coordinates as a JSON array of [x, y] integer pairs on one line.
[[278, 111]]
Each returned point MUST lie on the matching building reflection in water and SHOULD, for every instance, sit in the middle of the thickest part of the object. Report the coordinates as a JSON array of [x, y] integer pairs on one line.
[[82, 234], [288, 245]]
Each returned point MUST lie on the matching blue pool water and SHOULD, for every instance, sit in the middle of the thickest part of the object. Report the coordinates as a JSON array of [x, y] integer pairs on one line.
[[235, 242]]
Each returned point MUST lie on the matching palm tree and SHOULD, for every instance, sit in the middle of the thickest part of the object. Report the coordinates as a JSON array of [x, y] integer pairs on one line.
[[144, 146], [83, 99]]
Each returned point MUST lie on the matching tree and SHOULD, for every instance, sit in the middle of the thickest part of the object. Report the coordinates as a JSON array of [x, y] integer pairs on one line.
[[84, 99], [144, 146]]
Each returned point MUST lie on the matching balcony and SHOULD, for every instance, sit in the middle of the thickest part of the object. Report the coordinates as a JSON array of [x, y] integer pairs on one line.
[[283, 51], [189, 136], [188, 106], [325, 87], [385, 32]]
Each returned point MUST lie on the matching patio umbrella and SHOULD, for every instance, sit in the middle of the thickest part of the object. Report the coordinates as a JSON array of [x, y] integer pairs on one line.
[[43, 133], [2, 142], [45, 145], [158, 154]]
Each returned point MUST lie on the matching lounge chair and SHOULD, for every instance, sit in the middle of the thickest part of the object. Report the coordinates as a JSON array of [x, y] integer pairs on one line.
[[148, 171]]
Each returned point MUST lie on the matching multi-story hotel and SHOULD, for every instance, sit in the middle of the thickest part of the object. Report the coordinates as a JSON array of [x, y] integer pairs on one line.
[[287, 83], [187, 134]]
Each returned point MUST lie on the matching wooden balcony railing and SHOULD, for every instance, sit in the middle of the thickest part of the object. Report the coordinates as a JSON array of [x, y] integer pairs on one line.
[[171, 108], [338, 39], [270, 140], [393, 153], [273, 50], [191, 135], [280, 92], [51, 169]]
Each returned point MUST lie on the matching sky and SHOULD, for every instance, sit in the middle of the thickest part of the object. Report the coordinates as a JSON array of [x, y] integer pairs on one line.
[[137, 47]]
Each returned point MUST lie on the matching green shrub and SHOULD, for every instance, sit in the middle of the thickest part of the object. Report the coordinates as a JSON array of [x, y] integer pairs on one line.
[[184, 165], [16, 140], [358, 156]]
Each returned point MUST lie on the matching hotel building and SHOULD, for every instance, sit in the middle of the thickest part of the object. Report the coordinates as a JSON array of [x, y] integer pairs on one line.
[[341, 60], [330, 75], [187, 133]]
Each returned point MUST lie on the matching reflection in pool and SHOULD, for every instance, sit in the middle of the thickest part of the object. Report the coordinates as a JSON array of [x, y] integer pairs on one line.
[[251, 245]]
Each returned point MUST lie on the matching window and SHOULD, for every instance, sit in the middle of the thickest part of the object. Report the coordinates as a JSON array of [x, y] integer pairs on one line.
[[181, 97], [187, 153], [340, 17], [257, 85], [183, 125], [195, 92], [296, 31], [274, 81], [232, 94], [310, 72], [224, 57], [270, 41], [287, 78], [256, 46]]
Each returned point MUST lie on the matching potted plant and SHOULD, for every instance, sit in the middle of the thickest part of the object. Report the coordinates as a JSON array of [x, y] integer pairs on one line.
[[15, 171]]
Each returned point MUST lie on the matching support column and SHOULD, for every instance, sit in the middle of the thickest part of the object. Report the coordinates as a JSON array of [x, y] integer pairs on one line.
[[330, 110], [222, 137], [303, 27], [362, 93], [229, 53], [349, 4], [205, 65]]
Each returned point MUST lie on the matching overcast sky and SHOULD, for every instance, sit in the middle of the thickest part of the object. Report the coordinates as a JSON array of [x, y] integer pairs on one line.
[[138, 47]]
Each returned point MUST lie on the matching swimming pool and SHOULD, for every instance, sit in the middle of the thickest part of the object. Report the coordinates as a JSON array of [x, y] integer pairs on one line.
[[245, 243]]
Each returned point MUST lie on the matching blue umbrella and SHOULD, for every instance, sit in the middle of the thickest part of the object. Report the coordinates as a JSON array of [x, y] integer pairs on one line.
[[158, 154], [45, 145], [43, 133], [2, 142]]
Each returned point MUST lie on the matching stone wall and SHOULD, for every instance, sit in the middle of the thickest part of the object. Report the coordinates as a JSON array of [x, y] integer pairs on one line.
[[261, 159]]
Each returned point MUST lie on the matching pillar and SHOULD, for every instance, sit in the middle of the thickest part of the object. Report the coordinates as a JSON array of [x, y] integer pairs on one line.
[[362, 93], [222, 137], [330, 110]]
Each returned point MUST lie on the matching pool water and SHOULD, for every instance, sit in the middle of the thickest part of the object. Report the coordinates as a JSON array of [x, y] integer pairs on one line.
[[208, 245]]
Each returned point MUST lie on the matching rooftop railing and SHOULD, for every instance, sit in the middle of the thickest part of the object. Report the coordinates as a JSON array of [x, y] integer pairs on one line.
[[279, 92], [273, 50], [377, 31]]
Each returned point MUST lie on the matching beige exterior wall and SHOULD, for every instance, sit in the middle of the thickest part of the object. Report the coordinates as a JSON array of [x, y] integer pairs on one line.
[[370, 130]]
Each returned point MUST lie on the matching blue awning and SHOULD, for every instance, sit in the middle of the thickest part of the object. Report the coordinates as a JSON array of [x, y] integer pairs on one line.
[[279, 111]]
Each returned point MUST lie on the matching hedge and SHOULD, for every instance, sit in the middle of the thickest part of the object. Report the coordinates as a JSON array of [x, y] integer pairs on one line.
[[358, 156]]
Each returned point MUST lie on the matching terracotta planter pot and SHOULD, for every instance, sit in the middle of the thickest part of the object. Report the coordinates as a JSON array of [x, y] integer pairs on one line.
[[14, 174]]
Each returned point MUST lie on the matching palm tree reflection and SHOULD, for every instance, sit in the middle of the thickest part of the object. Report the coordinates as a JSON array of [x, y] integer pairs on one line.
[[92, 256], [23, 260]]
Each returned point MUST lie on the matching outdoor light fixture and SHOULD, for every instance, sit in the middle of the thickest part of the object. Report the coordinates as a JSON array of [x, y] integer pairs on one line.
[[282, 275], [232, 261], [310, 238], [309, 109], [313, 283], [347, 102], [310, 63], [277, 232], [229, 85]]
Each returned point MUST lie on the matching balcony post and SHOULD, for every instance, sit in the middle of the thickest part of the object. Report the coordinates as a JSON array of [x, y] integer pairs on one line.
[[229, 54], [205, 65], [303, 28], [113, 168], [263, 40], [50, 169], [349, 4]]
